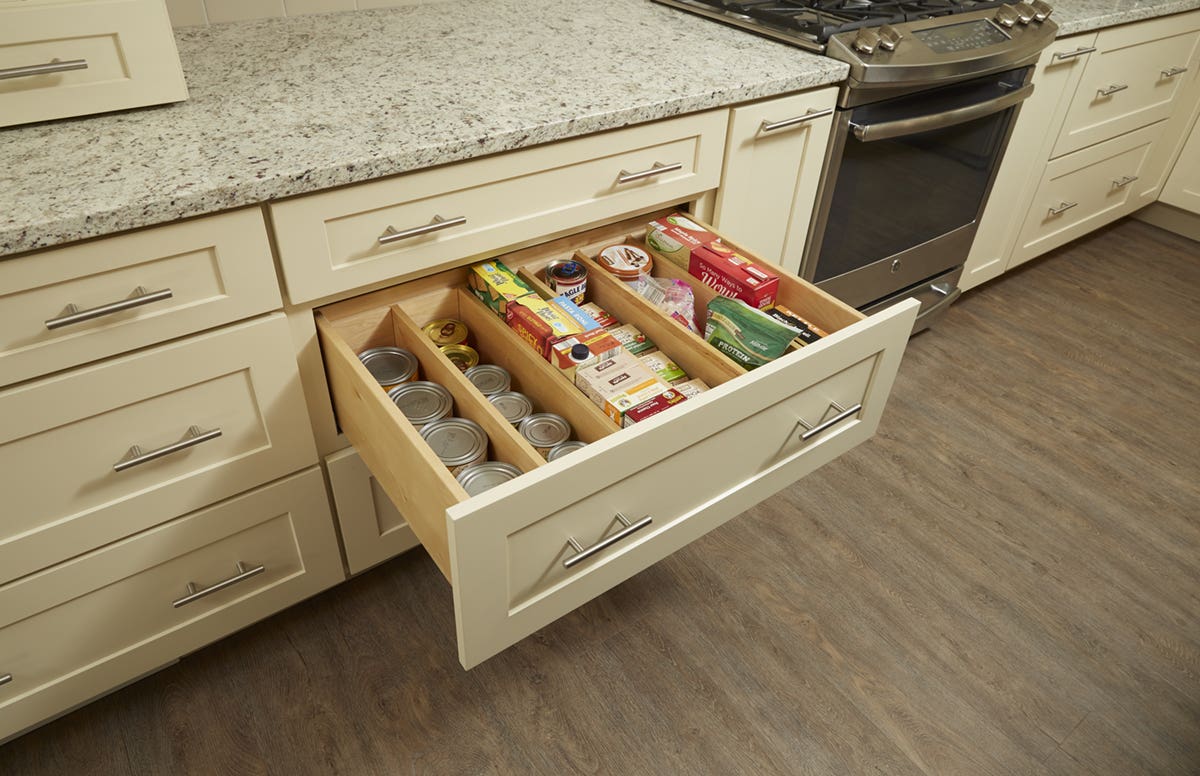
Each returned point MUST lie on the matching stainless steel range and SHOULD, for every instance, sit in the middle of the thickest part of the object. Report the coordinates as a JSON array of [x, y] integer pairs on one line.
[[921, 127]]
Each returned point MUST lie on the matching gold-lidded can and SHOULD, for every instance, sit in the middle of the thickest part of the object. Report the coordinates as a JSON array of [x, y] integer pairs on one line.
[[422, 402], [513, 405], [458, 442], [390, 365], [462, 356], [446, 331], [545, 430]]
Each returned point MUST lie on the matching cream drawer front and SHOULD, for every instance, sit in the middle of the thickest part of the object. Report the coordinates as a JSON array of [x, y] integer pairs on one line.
[[329, 242], [1084, 191], [195, 274], [1132, 80], [79, 629], [64, 436], [123, 50], [372, 529]]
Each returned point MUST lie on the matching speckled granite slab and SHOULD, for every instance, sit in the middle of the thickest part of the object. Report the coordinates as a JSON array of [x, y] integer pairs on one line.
[[1075, 16]]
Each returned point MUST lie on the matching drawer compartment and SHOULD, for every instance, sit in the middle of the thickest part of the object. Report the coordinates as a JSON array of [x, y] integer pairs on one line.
[[372, 529], [195, 275], [504, 550], [74, 59], [71, 480], [76, 630], [339, 240]]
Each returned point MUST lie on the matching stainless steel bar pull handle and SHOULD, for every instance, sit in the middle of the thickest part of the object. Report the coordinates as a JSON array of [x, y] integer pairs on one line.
[[1124, 181], [885, 130], [193, 594], [1171, 72], [1111, 90], [658, 169], [1061, 55], [1062, 208], [53, 66], [136, 457], [820, 428], [583, 553], [139, 297], [5, 679], [810, 115], [391, 234]]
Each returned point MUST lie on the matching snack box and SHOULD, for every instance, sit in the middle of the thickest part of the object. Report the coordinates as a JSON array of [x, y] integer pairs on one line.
[[632, 339], [675, 236], [541, 322], [599, 315], [666, 369], [600, 343], [618, 384], [809, 332], [691, 388], [496, 285], [648, 409], [733, 275]]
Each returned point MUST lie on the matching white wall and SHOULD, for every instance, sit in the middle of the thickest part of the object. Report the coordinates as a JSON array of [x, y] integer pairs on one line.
[[192, 13]]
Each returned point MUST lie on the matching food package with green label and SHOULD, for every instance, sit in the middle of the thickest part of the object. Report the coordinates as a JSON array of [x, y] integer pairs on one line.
[[749, 337]]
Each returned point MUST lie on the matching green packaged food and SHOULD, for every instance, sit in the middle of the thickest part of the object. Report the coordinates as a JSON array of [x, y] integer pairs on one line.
[[749, 337]]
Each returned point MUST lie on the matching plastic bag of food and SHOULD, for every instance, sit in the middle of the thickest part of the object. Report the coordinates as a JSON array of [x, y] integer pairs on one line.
[[749, 337], [673, 297]]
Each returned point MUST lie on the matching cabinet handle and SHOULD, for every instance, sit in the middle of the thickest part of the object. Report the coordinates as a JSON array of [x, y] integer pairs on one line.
[[193, 594], [391, 235], [843, 414], [139, 297], [1124, 181], [1063, 55], [135, 456], [1171, 72], [809, 115], [53, 66], [1111, 90], [658, 169], [583, 553], [1062, 208], [5, 679]]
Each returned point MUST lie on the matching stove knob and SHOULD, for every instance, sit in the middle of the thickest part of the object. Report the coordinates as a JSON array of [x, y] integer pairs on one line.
[[866, 41], [1041, 10], [1025, 12], [889, 37], [1006, 16]]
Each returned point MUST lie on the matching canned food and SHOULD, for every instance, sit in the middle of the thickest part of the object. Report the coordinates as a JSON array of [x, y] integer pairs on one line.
[[479, 477], [625, 262], [390, 366], [422, 402], [446, 331], [544, 430], [461, 356], [489, 378], [459, 442], [558, 451], [568, 278], [514, 406]]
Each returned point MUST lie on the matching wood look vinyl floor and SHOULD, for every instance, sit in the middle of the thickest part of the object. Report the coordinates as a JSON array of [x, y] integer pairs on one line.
[[1006, 580]]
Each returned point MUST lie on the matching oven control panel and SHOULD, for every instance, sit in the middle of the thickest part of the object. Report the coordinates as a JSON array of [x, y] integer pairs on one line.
[[961, 37]]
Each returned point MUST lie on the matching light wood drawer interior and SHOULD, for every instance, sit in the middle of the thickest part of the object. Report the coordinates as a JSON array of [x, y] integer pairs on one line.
[[330, 242], [123, 53], [630, 470], [78, 629], [195, 275], [64, 436], [372, 529]]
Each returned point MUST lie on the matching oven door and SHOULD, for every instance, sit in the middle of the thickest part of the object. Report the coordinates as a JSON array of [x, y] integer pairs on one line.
[[906, 183]]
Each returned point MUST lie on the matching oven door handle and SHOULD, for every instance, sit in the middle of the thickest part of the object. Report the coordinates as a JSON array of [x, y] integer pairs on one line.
[[889, 129]]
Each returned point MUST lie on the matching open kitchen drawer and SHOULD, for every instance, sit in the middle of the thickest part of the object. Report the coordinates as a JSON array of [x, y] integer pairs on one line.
[[631, 496]]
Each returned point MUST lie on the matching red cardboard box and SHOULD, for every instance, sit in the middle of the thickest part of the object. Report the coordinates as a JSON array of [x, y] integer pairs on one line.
[[733, 275], [652, 407]]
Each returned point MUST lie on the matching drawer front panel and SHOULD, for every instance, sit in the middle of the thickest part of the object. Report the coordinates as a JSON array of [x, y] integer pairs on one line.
[[1132, 81], [330, 242], [372, 529], [1084, 188], [216, 270], [127, 45], [60, 654], [508, 545], [66, 435]]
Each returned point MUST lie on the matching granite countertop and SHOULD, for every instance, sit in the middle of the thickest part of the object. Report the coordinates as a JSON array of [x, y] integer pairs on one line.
[[289, 106]]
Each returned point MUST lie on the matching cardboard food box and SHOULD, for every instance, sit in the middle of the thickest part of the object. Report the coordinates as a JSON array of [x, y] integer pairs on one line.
[[496, 285], [648, 409], [542, 322], [666, 369], [600, 344], [599, 315], [675, 236], [809, 332], [632, 339], [733, 275], [692, 388], [618, 384]]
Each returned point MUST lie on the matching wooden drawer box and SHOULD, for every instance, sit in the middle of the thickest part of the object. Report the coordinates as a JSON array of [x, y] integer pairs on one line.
[[195, 275], [77, 630], [504, 550], [60, 59], [352, 237], [373, 530], [1132, 80], [65, 437]]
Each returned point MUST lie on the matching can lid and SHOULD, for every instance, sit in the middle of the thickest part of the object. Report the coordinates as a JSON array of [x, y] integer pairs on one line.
[[389, 365], [489, 378], [446, 331], [566, 270], [513, 406], [479, 477], [455, 440], [422, 401], [558, 451], [461, 356], [545, 429]]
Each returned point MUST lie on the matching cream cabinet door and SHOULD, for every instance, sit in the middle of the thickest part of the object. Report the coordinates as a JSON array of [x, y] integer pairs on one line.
[[373, 530], [774, 153], [1183, 186]]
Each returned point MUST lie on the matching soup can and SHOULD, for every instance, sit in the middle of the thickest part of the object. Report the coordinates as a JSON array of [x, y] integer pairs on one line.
[[559, 450], [514, 406], [461, 356], [569, 278], [446, 331], [390, 366], [422, 402], [489, 378], [544, 430], [479, 477], [458, 442]]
